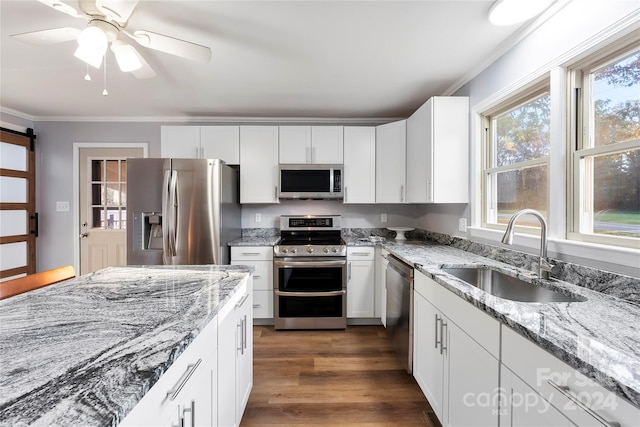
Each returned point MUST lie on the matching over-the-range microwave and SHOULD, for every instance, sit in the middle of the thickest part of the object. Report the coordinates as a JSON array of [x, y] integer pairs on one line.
[[307, 181]]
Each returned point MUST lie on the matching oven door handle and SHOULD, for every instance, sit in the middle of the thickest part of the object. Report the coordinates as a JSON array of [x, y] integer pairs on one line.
[[292, 264], [310, 294]]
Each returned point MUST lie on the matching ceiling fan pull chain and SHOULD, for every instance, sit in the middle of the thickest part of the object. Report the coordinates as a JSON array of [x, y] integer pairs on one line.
[[87, 77], [104, 92]]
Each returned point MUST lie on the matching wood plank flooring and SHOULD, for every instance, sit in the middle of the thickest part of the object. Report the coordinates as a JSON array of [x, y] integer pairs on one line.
[[337, 378]]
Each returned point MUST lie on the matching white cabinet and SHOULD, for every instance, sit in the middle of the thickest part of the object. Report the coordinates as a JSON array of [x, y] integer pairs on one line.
[[359, 164], [186, 391], [201, 142], [311, 144], [381, 284], [360, 282], [261, 258], [551, 381], [447, 332], [235, 356], [258, 164], [438, 151], [391, 148]]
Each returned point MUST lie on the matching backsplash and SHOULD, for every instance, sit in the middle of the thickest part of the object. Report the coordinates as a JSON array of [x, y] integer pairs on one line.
[[617, 285]]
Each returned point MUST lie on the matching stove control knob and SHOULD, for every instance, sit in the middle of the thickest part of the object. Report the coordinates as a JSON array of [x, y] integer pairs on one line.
[[294, 250], [310, 250], [334, 249], [285, 250], [325, 250]]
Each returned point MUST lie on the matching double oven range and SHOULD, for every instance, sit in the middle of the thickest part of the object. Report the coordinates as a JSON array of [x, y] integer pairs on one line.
[[309, 273]]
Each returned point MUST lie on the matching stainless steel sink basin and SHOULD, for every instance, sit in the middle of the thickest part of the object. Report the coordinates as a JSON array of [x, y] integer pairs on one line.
[[508, 287]]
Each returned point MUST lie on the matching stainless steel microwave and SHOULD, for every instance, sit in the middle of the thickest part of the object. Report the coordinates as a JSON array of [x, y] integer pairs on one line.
[[310, 182]]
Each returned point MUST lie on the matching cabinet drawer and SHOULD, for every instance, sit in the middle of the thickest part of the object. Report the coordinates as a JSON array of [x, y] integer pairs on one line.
[[542, 371], [262, 275], [361, 253], [264, 253], [263, 304]]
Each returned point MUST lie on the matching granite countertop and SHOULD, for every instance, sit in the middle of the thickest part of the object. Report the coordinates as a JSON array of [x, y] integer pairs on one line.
[[84, 351], [599, 336]]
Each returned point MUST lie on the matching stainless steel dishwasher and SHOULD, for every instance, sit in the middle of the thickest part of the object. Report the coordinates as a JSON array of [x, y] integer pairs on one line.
[[400, 309]]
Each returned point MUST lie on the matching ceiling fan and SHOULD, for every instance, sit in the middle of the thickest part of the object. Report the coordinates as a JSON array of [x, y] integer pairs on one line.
[[106, 20]]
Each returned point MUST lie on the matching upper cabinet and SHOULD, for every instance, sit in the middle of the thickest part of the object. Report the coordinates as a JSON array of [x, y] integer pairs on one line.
[[359, 164], [438, 151], [258, 164], [391, 148], [311, 144], [201, 142]]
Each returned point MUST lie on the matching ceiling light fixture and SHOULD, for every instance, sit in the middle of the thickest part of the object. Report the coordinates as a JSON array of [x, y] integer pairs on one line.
[[92, 45], [509, 12], [125, 56]]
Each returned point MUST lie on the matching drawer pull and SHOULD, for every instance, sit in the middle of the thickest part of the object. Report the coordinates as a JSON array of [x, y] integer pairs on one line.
[[191, 368], [257, 305], [360, 253], [257, 277], [251, 253], [242, 300], [566, 392]]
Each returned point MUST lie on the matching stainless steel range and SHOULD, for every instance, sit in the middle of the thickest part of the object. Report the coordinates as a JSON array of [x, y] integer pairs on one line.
[[309, 273]]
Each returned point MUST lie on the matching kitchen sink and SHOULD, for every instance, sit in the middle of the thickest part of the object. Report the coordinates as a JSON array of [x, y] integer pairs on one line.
[[508, 287]]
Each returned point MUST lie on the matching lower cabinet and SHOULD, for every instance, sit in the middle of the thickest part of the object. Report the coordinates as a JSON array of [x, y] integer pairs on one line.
[[235, 359], [455, 356], [261, 258], [360, 282], [210, 382]]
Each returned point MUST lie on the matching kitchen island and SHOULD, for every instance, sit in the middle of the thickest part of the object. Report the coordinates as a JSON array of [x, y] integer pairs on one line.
[[85, 351]]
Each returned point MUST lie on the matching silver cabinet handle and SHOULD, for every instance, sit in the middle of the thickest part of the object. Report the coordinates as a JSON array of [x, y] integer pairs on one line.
[[242, 300], [349, 278], [244, 334], [402, 193], [191, 368], [359, 253], [275, 194], [428, 190], [443, 338], [438, 320], [257, 305], [251, 253], [345, 193], [566, 392], [257, 277]]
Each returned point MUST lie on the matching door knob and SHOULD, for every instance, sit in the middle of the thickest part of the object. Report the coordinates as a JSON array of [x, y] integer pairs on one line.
[[84, 235]]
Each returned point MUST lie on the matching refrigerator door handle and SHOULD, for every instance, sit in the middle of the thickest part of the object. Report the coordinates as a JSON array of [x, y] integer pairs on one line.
[[173, 202], [166, 214]]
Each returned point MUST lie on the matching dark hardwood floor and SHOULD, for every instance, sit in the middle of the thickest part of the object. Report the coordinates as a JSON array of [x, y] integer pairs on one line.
[[337, 378]]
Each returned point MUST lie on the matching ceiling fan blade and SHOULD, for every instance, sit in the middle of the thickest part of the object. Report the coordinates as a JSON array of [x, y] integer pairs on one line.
[[172, 45], [62, 7], [45, 37], [118, 10], [144, 72]]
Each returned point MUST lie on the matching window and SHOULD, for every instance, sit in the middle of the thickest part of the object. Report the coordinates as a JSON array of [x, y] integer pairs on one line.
[[108, 193], [517, 149], [606, 155]]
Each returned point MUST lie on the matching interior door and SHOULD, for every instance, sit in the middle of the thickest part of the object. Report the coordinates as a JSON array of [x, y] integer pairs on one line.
[[18, 219], [103, 207]]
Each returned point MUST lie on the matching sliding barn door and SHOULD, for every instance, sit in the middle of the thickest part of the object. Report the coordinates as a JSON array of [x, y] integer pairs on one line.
[[18, 217]]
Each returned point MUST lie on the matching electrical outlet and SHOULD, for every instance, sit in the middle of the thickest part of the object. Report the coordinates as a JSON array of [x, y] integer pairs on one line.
[[462, 224], [383, 217], [258, 217], [62, 206]]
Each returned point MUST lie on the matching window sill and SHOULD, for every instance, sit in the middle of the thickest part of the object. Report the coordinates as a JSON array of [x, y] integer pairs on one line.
[[617, 259]]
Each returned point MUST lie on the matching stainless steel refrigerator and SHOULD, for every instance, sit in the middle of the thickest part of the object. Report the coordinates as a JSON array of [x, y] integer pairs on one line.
[[181, 211]]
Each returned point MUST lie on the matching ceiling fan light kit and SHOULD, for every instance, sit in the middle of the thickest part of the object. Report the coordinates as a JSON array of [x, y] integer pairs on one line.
[[125, 56], [509, 12], [92, 45]]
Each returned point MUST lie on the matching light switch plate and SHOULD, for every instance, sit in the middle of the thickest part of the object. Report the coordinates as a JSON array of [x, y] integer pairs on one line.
[[383, 217], [62, 206], [258, 217], [462, 224]]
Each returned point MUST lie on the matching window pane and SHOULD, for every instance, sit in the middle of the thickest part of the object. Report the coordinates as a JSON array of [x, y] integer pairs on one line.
[[520, 189], [123, 171], [113, 194], [97, 194], [616, 98], [96, 170], [97, 217], [616, 197], [522, 133]]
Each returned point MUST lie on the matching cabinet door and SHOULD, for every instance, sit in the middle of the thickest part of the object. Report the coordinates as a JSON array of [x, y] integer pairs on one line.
[[180, 142], [327, 144], [258, 164], [360, 284], [419, 158], [428, 362], [391, 146], [220, 142], [359, 164], [381, 285], [521, 406], [472, 380], [295, 144], [244, 352]]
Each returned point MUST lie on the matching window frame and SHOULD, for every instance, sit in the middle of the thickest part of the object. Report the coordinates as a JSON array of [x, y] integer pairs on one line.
[[540, 87], [581, 145]]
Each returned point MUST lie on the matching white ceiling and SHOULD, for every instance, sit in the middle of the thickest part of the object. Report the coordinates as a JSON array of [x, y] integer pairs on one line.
[[294, 59]]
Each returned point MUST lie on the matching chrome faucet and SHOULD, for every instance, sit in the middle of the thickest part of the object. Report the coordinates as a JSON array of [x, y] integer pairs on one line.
[[544, 266]]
